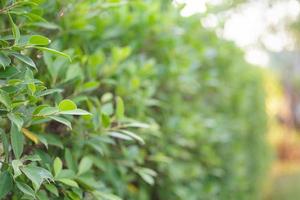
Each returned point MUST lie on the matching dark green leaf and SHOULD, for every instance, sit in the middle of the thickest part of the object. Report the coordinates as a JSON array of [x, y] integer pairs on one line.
[[5, 144], [4, 60], [25, 59], [5, 99], [62, 120], [8, 72], [26, 189], [17, 140], [6, 184]]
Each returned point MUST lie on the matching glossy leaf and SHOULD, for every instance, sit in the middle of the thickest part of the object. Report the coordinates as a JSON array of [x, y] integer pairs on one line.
[[25, 59], [55, 52], [62, 120], [39, 40], [66, 105]]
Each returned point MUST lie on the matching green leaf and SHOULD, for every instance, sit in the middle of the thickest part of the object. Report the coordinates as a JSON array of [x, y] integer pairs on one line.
[[39, 40], [24, 59], [75, 112], [61, 120], [85, 165], [16, 119], [26, 189], [47, 92], [68, 182], [133, 135], [6, 184], [66, 173], [51, 188], [16, 164], [107, 196], [147, 175], [70, 160], [8, 72], [37, 175], [15, 30], [5, 99], [5, 144], [105, 120], [53, 51], [33, 157], [48, 111], [57, 166], [119, 135], [136, 125], [67, 104], [4, 60], [53, 140], [119, 108], [17, 140]]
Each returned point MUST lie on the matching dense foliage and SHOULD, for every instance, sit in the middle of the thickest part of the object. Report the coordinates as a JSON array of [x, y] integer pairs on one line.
[[170, 111]]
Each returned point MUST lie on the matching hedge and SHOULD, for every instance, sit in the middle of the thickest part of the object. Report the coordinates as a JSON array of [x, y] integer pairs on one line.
[[125, 100]]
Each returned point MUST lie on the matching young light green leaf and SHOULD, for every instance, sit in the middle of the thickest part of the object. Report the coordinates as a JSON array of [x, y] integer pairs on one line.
[[85, 165], [39, 40], [67, 104], [62, 120], [17, 140], [105, 120], [4, 60], [119, 108], [26, 189], [53, 51], [24, 59], [57, 166], [6, 184]]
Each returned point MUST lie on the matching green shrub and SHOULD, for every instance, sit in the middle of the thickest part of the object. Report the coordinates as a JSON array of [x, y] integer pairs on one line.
[[170, 111]]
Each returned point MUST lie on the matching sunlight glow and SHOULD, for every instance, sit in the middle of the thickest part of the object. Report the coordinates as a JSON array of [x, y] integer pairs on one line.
[[251, 26]]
